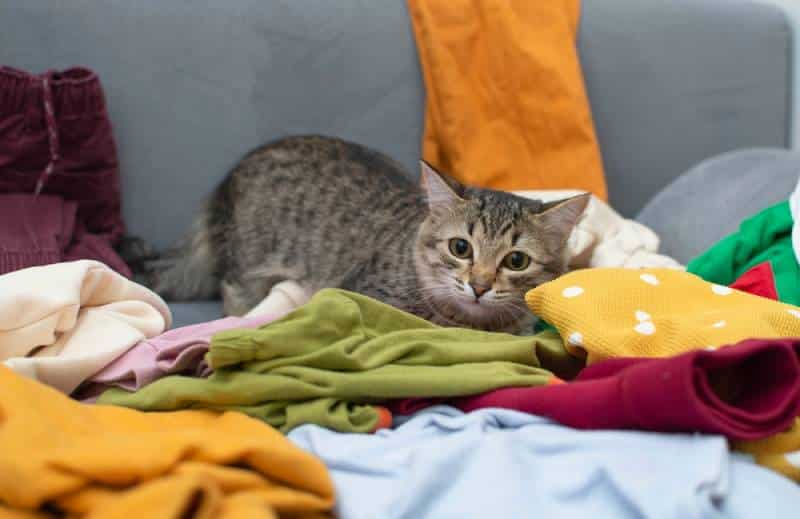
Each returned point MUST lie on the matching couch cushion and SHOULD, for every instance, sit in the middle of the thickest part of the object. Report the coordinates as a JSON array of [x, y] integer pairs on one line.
[[184, 314], [709, 201], [192, 86]]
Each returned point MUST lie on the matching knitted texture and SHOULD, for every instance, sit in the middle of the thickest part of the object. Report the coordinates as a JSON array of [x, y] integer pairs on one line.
[[604, 313]]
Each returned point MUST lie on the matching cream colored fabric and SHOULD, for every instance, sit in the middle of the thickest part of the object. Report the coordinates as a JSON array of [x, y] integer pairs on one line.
[[603, 238], [61, 323]]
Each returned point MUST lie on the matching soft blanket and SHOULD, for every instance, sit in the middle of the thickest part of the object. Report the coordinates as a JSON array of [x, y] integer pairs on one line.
[[66, 458], [62, 323], [325, 362], [499, 463]]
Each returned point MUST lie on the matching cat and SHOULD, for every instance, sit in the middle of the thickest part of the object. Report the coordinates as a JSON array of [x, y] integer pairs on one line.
[[328, 213]]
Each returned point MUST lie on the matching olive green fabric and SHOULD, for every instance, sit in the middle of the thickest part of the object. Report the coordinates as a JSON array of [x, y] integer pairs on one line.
[[327, 361]]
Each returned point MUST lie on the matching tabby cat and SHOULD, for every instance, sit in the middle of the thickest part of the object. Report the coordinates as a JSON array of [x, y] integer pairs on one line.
[[330, 213]]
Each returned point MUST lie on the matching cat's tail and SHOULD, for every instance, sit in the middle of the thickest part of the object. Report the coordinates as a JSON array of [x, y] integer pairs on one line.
[[186, 272]]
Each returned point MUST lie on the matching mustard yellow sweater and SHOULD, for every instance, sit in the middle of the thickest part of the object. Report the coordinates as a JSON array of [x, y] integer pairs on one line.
[[603, 313]]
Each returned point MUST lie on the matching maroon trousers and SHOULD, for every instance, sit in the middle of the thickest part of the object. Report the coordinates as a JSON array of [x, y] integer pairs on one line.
[[56, 140]]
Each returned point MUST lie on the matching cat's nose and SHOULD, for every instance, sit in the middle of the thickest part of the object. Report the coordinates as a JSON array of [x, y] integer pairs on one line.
[[480, 289]]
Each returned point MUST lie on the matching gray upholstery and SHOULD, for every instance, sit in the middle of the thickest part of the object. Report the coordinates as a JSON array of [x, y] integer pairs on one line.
[[195, 312], [673, 82], [710, 200], [192, 86]]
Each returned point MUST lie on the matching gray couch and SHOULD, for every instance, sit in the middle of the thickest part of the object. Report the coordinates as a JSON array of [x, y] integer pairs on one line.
[[193, 85]]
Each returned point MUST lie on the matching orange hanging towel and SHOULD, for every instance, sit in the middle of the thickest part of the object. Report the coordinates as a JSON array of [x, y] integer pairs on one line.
[[62, 457], [506, 104]]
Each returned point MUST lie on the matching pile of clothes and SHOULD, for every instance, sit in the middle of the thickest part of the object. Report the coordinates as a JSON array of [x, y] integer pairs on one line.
[[637, 368]]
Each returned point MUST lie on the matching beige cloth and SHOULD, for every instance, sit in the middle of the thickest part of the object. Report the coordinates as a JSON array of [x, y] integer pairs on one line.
[[282, 299], [61, 323], [603, 238]]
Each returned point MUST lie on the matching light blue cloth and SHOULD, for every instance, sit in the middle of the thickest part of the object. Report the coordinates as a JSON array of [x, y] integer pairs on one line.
[[498, 463]]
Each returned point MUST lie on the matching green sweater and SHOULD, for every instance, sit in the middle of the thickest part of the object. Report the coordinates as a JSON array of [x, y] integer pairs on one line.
[[764, 237], [329, 360]]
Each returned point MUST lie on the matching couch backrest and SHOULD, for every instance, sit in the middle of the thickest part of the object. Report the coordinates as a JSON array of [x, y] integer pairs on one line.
[[193, 87]]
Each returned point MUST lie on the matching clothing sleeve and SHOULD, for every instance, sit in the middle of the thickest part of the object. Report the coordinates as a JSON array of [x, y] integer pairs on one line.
[[729, 258]]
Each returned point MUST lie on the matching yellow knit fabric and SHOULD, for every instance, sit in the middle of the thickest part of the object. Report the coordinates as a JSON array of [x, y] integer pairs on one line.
[[780, 452], [604, 313], [109, 462]]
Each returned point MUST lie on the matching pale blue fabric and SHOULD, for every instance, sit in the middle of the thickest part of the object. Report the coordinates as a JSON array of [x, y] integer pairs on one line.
[[498, 463]]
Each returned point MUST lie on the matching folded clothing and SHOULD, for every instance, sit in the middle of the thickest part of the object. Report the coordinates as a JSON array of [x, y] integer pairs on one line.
[[43, 230], [603, 238], [605, 313], [763, 239], [501, 463], [90, 461], [746, 391], [62, 323], [56, 138], [327, 361], [506, 105], [178, 351]]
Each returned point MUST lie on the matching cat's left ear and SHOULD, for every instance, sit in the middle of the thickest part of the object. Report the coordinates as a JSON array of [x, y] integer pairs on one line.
[[559, 218], [439, 188]]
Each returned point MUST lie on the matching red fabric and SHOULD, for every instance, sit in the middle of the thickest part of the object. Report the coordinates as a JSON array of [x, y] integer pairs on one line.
[[669, 395], [759, 280], [55, 132]]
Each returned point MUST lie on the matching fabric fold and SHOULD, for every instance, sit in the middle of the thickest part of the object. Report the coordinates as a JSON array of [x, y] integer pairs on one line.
[[56, 142], [43, 230], [62, 323], [603, 238], [178, 351], [765, 237], [506, 105], [501, 463], [746, 391], [331, 360], [66, 458]]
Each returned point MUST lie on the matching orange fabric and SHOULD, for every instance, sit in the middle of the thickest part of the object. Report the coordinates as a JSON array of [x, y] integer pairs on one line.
[[506, 104], [110, 462]]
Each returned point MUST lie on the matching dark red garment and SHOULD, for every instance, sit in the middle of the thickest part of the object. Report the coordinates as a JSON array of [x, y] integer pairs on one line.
[[747, 391], [42, 230], [56, 138], [759, 281]]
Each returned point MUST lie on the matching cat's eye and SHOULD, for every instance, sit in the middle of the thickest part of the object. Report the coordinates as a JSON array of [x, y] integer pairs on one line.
[[460, 248], [516, 261]]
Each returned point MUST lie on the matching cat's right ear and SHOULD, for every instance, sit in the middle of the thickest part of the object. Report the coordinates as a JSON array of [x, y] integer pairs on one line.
[[438, 190]]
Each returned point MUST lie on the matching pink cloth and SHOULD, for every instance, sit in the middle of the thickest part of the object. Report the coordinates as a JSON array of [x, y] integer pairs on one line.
[[760, 378], [178, 351]]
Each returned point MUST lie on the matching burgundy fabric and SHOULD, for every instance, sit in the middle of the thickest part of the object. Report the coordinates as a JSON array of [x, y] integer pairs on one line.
[[43, 230], [761, 380], [55, 131], [759, 280]]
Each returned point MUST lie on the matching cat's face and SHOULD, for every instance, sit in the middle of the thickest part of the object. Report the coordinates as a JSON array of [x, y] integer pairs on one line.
[[479, 251]]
